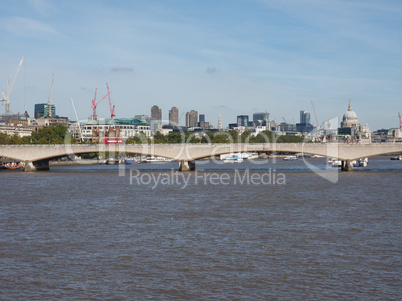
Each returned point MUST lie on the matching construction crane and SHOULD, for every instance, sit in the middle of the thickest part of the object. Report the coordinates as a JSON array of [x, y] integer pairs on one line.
[[78, 122], [49, 102], [110, 103], [95, 104], [316, 119], [6, 98], [319, 127], [400, 120]]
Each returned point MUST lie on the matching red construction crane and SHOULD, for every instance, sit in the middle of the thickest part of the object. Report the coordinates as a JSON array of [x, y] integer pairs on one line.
[[95, 104], [110, 103], [400, 120]]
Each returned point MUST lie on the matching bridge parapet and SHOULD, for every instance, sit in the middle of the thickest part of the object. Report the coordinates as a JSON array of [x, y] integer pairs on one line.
[[191, 152]]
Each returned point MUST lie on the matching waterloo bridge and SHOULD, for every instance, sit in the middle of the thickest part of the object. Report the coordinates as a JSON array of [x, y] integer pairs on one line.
[[37, 156]]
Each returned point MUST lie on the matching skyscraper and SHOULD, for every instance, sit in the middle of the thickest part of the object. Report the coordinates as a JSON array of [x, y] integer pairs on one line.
[[202, 118], [260, 117], [44, 110], [304, 117], [304, 125], [191, 118], [174, 116], [156, 113], [242, 120]]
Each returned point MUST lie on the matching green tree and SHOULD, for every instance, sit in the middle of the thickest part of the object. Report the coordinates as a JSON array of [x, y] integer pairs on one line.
[[50, 135], [159, 138], [174, 138], [4, 138]]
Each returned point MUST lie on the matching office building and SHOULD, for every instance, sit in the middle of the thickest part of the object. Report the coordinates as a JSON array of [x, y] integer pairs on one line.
[[156, 113], [44, 110], [174, 116], [304, 117], [242, 120], [260, 118], [191, 118]]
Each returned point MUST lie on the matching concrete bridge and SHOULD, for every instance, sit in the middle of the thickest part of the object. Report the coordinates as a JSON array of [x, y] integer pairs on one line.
[[36, 157]]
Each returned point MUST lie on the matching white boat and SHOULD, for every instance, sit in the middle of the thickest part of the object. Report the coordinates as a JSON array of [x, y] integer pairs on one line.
[[336, 163], [112, 161], [363, 162], [248, 155], [251, 156], [153, 159], [290, 158], [397, 158], [230, 155], [233, 159]]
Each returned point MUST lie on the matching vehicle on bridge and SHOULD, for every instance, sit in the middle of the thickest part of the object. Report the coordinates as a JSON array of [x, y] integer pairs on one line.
[[113, 141]]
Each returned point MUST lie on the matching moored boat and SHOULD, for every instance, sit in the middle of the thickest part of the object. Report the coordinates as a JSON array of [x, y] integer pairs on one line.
[[153, 159], [397, 157], [336, 163], [363, 162], [290, 158], [112, 161], [233, 159]]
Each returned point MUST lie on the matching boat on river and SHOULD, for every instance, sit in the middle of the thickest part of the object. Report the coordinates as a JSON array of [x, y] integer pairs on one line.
[[153, 159], [233, 159], [290, 158], [363, 162], [112, 161], [397, 157]]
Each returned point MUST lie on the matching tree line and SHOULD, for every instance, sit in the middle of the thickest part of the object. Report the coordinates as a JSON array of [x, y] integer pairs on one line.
[[59, 134], [48, 135]]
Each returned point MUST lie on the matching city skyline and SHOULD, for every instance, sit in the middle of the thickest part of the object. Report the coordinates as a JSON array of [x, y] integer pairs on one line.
[[228, 57]]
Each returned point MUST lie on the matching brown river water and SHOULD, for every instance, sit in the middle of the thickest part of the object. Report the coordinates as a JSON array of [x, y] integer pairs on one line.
[[242, 231]]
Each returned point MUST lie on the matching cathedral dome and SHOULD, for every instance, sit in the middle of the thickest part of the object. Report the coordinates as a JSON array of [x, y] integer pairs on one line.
[[349, 115], [350, 118]]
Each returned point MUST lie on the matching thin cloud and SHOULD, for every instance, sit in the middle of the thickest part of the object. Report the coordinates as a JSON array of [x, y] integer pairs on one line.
[[42, 7], [122, 69], [220, 107], [26, 26], [211, 70]]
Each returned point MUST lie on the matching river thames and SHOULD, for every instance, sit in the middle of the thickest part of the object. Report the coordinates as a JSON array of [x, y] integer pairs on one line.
[[272, 231]]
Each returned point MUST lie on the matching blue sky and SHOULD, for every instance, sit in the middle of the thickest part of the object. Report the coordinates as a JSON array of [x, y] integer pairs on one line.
[[230, 57]]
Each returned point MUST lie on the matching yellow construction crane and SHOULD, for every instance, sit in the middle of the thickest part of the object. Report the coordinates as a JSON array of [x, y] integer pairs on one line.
[[6, 98]]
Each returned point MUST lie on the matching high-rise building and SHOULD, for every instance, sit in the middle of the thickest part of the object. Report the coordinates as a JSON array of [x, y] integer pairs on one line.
[[242, 120], [202, 118], [44, 110], [219, 122], [191, 118], [260, 117], [174, 116], [304, 117], [156, 113], [201, 121], [304, 126]]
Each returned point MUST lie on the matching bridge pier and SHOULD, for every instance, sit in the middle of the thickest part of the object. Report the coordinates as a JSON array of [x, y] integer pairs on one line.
[[186, 165], [347, 166], [36, 165]]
